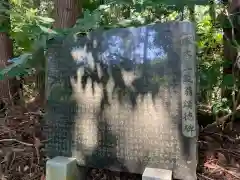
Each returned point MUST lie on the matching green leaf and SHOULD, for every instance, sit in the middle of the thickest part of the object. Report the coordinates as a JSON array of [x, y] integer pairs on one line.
[[3, 28], [40, 43], [219, 37], [228, 80], [47, 30], [37, 59], [45, 19], [18, 68]]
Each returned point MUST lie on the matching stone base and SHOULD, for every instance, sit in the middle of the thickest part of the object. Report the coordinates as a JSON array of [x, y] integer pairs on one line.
[[156, 174], [63, 168]]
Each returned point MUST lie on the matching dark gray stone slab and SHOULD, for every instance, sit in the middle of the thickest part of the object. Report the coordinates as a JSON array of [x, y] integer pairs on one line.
[[124, 99]]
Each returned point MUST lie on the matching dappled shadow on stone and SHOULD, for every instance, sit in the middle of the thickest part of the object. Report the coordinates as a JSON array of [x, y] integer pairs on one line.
[[122, 91], [60, 117]]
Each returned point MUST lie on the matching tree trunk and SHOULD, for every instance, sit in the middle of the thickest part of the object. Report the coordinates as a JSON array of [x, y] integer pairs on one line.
[[66, 13], [230, 34], [40, 74], [6, 52]]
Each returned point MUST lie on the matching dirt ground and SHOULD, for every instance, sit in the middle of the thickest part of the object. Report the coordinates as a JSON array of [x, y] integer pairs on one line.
[[22, 152]]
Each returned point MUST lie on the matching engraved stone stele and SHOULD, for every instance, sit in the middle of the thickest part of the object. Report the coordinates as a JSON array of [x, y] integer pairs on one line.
[[124, 99]]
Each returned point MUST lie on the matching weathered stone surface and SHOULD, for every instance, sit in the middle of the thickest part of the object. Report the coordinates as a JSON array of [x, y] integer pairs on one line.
[[124, 99]]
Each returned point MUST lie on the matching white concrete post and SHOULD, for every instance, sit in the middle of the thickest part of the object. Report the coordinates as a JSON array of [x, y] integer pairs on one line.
[[61, 168], [156, 174]]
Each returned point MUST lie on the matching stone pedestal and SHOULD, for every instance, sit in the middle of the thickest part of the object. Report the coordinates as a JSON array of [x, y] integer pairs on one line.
[[61, 168], [156, 174]]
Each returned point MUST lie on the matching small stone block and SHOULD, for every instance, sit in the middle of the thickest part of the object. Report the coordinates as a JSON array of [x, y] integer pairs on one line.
[[156, 174], [61, 168]]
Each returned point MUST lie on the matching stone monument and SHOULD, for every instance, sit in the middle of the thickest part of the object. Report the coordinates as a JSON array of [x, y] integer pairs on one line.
[[124, 99]]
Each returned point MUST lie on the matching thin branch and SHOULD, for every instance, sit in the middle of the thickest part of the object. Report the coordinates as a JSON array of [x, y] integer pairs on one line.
[[217, 167], [15, 140]]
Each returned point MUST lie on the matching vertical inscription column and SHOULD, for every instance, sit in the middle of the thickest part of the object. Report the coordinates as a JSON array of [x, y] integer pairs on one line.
[[188, 79]]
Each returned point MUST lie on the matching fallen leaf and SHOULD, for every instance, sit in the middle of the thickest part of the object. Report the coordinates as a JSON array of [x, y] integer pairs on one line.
[[43, 177], [25, 168]]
